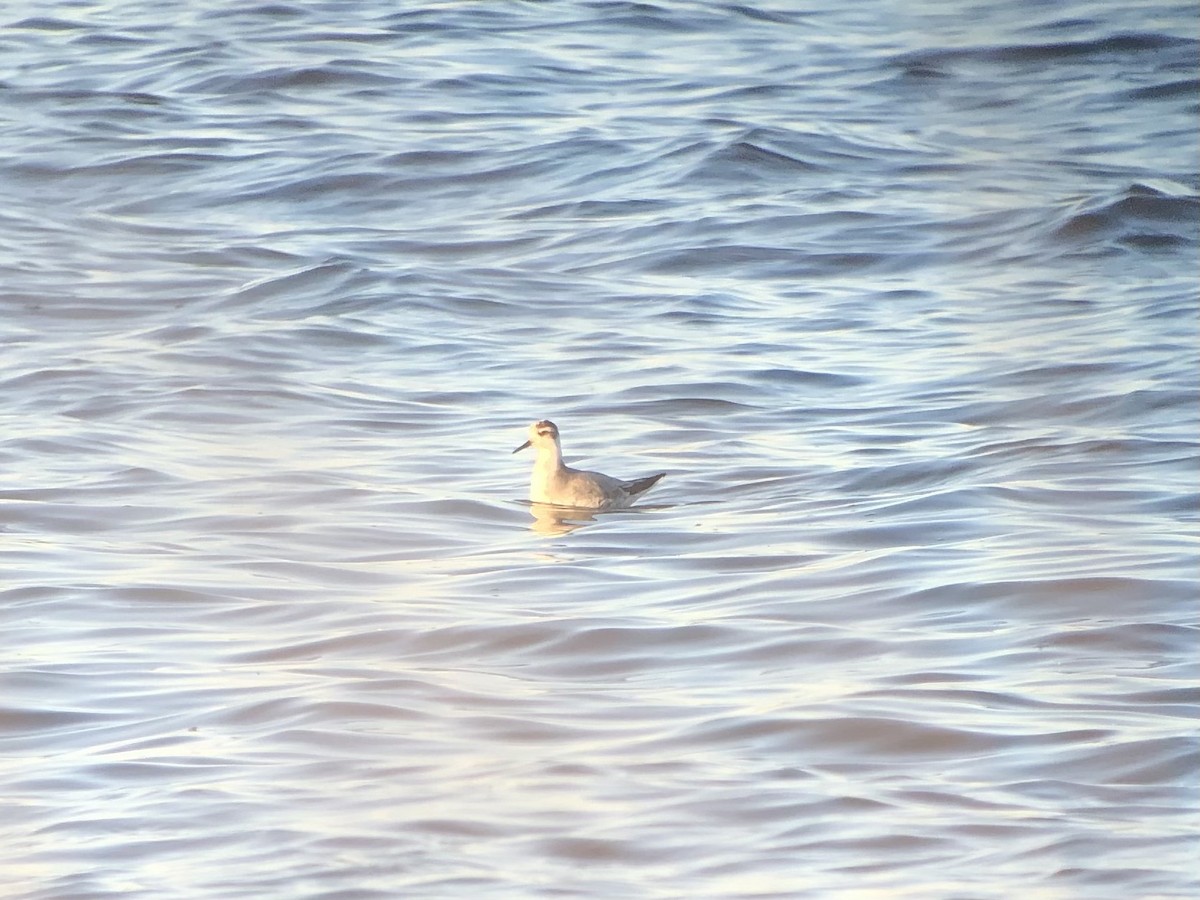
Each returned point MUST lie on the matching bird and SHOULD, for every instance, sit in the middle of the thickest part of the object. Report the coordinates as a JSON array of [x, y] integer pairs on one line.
[[557, 484]]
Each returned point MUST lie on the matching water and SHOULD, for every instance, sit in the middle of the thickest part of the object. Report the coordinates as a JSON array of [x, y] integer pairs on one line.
[[902, 296]]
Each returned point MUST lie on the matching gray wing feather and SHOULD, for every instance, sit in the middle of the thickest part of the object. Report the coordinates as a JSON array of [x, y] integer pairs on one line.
[[639, 485]]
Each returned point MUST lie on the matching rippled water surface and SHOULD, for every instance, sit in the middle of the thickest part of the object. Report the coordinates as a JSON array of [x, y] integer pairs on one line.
[[902, 296]]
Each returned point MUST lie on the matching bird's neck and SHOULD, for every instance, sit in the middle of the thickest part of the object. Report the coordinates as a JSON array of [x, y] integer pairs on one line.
[[549, 458]]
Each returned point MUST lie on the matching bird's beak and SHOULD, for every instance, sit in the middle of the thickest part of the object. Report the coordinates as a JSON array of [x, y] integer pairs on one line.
[[523, 446]]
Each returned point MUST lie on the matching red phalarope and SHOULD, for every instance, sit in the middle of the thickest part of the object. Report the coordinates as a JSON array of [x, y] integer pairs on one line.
[[557, 484]]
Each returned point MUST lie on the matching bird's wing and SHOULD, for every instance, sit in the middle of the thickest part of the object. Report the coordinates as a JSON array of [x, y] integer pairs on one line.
[[639, 485]]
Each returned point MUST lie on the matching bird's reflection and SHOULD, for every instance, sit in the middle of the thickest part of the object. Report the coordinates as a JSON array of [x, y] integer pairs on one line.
[[549, 519]]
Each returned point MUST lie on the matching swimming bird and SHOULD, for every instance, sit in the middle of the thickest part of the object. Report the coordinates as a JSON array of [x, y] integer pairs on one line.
[[558, 484]]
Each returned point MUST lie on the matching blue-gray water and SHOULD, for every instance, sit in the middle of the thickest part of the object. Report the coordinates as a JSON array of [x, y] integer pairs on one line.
[[902, 295]]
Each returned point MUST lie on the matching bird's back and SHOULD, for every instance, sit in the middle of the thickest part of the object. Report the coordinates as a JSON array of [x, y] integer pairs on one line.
[[595, 490]]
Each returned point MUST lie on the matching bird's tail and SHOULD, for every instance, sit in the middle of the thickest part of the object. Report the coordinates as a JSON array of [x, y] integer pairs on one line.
[[641, 485]]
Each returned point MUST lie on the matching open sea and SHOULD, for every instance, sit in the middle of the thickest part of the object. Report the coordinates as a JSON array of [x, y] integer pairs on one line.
[[903, 296]]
